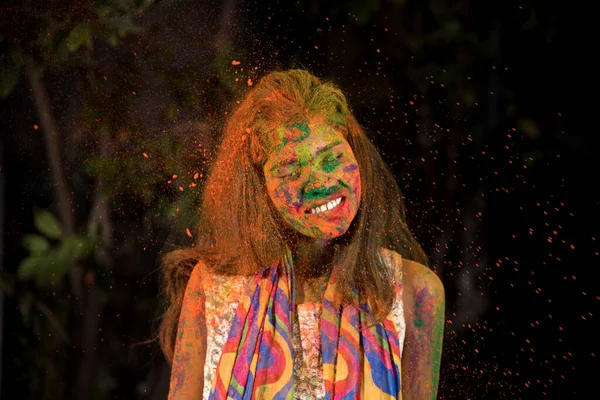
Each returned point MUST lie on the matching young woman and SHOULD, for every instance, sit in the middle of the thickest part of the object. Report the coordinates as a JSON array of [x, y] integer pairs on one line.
[[305, 281]]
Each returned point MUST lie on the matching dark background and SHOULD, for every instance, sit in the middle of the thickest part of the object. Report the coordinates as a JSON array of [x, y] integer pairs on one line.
[[484, 110]]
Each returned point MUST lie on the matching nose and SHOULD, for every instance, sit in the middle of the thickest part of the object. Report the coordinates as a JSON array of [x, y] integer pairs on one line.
[[318, 181]]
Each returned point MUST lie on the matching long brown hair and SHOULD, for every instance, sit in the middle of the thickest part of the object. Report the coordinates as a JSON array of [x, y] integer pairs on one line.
[[240, 232]]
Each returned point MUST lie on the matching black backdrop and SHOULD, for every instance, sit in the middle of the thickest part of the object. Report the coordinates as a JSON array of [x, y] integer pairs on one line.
[[517, 202]]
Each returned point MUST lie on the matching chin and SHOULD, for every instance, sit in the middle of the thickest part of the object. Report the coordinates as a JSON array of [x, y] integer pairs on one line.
[[322, 234]]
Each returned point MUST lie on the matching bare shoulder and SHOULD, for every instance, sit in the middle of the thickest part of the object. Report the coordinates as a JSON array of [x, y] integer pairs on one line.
[[199, 270], [219, 288], [419, 277], [413, 274], [198, 278], [203, 273], [187, 369], [424, 306]]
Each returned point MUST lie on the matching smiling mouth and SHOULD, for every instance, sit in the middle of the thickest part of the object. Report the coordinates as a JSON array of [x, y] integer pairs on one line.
[[326, 206]]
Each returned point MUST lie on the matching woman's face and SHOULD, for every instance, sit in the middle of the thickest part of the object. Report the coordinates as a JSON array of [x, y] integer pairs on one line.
[[313, 178]]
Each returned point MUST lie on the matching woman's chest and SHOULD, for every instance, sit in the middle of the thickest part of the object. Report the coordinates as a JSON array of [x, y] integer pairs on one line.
[[223, 296], [308, 364], [221, 306]]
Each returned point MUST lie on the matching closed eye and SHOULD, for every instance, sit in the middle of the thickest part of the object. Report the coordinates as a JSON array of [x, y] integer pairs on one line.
[[289, 174]]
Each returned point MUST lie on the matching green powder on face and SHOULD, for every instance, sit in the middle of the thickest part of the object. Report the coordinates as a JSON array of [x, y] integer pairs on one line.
[[302, 127], [303, 155], [344, 185], [282, 138], [330, 165], [321, 192]]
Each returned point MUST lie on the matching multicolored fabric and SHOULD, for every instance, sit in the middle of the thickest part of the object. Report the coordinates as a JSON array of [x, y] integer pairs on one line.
[[359, 360]]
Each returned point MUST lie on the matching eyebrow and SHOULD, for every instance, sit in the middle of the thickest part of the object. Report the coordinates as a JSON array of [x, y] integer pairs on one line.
[[321, 150]]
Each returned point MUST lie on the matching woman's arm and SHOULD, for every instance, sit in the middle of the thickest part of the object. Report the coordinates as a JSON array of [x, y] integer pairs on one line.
[[187, 370], [424, 306]]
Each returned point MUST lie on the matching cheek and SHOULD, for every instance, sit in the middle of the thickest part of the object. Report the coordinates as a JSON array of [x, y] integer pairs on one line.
[[281, 195], [285, 196], [351, 169], [351, 175]]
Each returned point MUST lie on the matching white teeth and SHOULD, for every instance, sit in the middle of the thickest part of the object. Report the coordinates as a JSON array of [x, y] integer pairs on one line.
[[325, 207]]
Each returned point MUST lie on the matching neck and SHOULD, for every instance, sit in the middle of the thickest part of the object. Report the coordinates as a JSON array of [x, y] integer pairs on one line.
[[312, 257]]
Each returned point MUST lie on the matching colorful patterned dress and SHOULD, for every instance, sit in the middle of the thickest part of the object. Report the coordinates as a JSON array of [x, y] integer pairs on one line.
[[223, 294]]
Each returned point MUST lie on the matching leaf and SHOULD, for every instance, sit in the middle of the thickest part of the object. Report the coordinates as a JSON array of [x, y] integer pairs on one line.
[[8, 81], [53, 269], [63, 255], [43, 277], [77, 247], [102, 11], [112, 40], [79, 35], [30, 266], [36, 244], [124, 25], [47, 223], [93, 231]]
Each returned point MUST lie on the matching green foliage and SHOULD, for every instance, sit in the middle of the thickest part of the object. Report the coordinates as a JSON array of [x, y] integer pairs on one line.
[[36, 244], [58, 37], [79, 35], [51, 253], [47, 223], [163, 171]]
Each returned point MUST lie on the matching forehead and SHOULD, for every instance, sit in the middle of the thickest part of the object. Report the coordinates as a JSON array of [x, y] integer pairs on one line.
[[313, 133]]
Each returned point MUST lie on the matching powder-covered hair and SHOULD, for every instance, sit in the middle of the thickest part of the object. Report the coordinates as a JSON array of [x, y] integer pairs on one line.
[[240, 231]]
